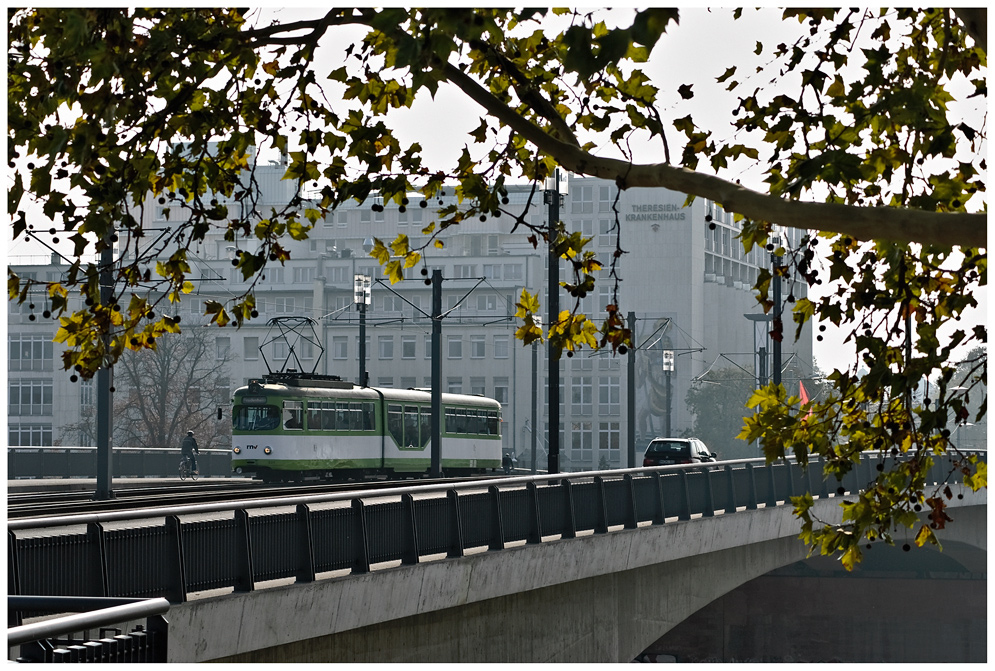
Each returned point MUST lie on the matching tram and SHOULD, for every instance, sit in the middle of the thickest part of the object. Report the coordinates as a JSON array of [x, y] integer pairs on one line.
[[291, 427]]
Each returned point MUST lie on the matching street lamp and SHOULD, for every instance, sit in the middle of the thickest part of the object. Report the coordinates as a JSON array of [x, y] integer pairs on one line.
[[668, 369], [775, 263], [361, 296], [535, 391]]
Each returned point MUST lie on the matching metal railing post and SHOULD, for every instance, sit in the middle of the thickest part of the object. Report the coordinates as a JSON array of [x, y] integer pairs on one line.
[[244, 577], [409, 551], [497, 519], [660, 514], [730, 490], [632, 516], [305, 539], [176, 581], [535, 514], [361, 558], [456, 525]]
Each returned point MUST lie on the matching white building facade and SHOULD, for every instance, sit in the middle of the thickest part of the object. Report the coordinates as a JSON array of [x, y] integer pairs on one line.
[[687, 282]]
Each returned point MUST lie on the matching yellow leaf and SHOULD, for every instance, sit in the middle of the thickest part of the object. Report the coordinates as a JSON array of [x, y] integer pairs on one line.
[[394, 272], [412, 259]]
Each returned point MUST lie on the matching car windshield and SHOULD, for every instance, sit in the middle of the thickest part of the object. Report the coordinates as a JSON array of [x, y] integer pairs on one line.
[[664, 447]]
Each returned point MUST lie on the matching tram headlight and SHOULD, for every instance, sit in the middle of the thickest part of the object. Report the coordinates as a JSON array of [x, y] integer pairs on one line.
[[267, 450], [237, 450]]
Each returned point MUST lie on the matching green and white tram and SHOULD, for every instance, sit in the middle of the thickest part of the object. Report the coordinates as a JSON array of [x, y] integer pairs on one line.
[[287, 427]]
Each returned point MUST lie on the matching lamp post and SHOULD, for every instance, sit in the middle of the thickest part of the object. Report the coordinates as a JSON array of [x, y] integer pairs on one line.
[[668, 369], [362, 295], [554, 192], [535, 393], [776, 280]]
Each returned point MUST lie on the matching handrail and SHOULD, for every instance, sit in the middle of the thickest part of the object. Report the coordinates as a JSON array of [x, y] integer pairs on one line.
[[251, 504], [89, 620]]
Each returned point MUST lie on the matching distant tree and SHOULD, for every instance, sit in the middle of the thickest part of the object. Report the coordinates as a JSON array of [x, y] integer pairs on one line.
[[718, 402], [861, 141], [177, 387]]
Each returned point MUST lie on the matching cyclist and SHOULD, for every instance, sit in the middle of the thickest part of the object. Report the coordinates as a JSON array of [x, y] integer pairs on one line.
[[189, 449]]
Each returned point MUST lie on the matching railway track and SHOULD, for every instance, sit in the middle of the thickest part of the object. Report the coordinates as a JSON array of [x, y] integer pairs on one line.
[[52, 504]]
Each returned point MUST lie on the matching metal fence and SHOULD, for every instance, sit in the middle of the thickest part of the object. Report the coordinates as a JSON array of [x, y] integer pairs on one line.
[[127, 462], [172, 552], [71, 638]]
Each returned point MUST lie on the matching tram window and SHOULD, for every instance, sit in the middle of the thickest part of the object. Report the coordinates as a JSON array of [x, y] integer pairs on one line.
[[369, 416], [395, 423], [450, 414], [255, 418], [411, 425], [461, 424], [355, 417], [313, 414], [493, 423], [293, 415], [340, 420], [425, 426], [327, 415]]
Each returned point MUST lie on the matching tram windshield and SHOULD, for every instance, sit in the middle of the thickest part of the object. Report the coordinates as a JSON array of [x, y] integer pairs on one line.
[[255, 418]]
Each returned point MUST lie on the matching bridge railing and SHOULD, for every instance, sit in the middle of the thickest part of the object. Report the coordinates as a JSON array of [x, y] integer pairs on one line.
[[69, 639], [176, 551]]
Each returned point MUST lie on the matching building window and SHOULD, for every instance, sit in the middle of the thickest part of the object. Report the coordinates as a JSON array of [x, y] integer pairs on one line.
[[340, 347], [501, 347], [501, 390], [609, 391], [580, 395], [408, 345], [86, 393], [582, 444], [281, 350], [29, 397], [306, 348], [478, 385], [606, 197], [428, 346], [607, 236], [609, 439], [392, 303], [455, 347], [222, 348], [464, 270], [492, 271], [303, 274], [274, 275], [386, 344], [454, 385], [582, 199], [29, 435], [29, 352], [250, 349], [385, 382], [283, 304], [513, 271], [478, 346]]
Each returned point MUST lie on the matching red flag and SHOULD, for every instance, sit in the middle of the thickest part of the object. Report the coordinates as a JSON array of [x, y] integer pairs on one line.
[[804, 395]]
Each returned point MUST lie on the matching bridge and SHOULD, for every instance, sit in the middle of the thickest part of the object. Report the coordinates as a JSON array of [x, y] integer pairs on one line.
[[589, 567]]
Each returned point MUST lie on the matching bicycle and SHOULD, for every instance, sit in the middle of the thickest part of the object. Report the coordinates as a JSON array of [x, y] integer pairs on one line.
[[185, 469]]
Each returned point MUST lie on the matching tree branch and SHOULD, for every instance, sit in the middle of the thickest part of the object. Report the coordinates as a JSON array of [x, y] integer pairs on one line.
[[862, 223]]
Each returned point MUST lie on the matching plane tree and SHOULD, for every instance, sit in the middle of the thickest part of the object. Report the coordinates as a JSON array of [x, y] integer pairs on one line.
[[854, 122]]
